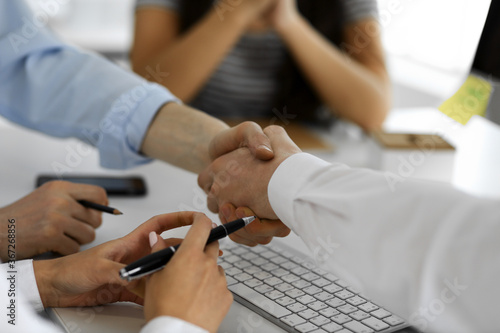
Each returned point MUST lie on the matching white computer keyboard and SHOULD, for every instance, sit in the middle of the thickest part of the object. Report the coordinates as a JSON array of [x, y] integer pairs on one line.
[[290, 291]]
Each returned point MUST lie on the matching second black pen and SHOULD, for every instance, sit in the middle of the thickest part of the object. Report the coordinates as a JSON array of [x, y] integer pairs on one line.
[[156, 261]]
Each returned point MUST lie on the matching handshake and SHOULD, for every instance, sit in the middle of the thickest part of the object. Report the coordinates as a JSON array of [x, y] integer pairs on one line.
[[244, 159]]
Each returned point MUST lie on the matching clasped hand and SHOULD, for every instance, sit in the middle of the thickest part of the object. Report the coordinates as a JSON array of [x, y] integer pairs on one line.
[[236, 183]]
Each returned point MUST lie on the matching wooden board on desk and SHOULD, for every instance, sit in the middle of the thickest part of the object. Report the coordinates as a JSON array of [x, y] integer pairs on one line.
[[304, 137]]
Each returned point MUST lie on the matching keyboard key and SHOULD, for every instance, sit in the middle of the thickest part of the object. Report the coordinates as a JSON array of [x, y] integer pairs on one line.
[[230, 280], [249, 256], [319, 271], [225, 265], [311, 290], [357, 327], [321, 282], [329, 312], [309, 265], [308, 314], [319, 330], [262, 275], [293, 320], [323, 296], [375, 323], [331, 277], [252, 283], [242, 264], [344, 294], [239, 250], [380, 313], [335, 302], [262, 302], [264, 288], [320, 320], [287, 254], [283, 287], [305, 299], [299, 270], [233, 271], [301, 284], [306, 327], [297, 260], [346, 308], [289, 265], [332, 288], [317, 305], [242, 277], [356, 300], [269, 266], [278, 260], [232, 259], [331, 327], [285, 301], [296, 307], [274, 294], [290, 278], [368, 307], [359, 315], [294, 293], [393, 320], [258, 249], [259, 261], [268, 254], [272, 281], [279, 272], [310, 276], [340, 318], [252, 269]]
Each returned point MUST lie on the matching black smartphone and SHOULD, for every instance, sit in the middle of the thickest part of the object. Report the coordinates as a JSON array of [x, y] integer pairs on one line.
[[114, 186]]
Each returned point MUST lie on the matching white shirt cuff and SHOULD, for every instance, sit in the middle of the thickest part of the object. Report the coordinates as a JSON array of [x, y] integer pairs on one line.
[[282, 191], [171, 324], [26, 282]]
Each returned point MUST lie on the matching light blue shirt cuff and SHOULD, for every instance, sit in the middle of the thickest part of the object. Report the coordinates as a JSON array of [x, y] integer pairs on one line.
[[122, 131]]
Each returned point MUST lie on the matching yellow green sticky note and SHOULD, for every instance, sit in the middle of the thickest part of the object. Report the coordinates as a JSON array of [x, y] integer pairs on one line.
[[471, 99]]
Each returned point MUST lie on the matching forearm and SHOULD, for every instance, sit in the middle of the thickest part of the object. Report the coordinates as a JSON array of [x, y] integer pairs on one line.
[[192, 57], [349, 88], [180, 135]]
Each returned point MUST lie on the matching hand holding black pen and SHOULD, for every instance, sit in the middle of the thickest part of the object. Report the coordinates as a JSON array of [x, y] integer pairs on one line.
[[156, 261]]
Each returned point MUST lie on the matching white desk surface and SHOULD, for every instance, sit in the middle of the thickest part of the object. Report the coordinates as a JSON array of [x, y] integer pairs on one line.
[[25, 154]]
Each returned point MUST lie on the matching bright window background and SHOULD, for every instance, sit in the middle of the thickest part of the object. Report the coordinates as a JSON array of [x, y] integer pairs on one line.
[[431, 43]]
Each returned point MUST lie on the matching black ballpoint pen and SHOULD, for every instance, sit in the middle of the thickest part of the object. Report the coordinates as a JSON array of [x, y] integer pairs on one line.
[[156, 261]]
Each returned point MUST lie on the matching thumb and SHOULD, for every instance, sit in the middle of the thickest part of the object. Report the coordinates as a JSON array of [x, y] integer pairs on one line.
[[157, 243], [280, 140]]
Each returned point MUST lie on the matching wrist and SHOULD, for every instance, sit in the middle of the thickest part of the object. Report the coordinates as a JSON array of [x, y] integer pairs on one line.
[[288, 25], [239, 17], [44, 278]]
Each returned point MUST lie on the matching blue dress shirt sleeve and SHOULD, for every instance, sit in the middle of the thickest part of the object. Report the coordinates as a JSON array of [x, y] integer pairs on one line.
[[63, 91]]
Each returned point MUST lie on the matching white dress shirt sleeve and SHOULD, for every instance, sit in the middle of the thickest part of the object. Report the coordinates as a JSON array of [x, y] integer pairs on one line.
[[426, 251]]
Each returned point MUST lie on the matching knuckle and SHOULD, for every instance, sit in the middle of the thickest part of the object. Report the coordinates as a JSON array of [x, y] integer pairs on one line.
[[265, 240], [57, 202], [275, 129]]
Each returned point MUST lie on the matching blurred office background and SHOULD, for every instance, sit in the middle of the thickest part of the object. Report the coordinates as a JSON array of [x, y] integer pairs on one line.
[[430, 44]]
